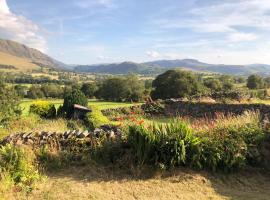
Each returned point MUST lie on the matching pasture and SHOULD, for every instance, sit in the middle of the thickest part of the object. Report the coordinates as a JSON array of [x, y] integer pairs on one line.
[[26, 103]]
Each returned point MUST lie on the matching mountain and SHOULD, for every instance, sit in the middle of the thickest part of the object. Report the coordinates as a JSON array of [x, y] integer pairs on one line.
[[24, 58], [159, 66], [118, 68]]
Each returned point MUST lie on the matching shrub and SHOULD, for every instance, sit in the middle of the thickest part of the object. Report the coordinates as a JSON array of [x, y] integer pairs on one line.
[[43, 109], [9, 104], [153, 108], [74, 97], [228, 146], [17, 165], [95, 118], [167, 145]]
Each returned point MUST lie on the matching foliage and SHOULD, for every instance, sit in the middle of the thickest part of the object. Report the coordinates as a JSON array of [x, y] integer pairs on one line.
[[52, 90], [255, 82], [175, 84], [89, 89], [35, 92], [213, 84], [9, 104], [74, 97], [153, 108], [95, 118], [18, 165], [226, 146], [119, 89], [43, 109], [166, 145]]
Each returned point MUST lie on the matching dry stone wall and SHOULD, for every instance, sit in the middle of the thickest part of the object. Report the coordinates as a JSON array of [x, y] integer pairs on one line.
[[61, 140], [201, 109]]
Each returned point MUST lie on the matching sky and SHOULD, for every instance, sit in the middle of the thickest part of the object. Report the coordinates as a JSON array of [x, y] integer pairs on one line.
[[106, 31]]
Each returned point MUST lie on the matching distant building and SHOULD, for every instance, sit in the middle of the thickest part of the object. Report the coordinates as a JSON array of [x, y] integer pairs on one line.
[[80, 111]]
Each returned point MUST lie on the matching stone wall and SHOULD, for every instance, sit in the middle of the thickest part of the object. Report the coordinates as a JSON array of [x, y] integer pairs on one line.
[[59, 140], [200, 109]]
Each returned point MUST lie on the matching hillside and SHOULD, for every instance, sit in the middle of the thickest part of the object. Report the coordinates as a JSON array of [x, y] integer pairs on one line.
[[24, 58], [9, 63], [119, 68], [159, 66]]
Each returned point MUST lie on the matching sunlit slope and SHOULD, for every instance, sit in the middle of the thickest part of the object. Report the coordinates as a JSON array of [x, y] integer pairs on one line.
[[20, 64]]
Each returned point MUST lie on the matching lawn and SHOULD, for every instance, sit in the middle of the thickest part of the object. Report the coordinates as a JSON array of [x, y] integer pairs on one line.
[[25, 105]]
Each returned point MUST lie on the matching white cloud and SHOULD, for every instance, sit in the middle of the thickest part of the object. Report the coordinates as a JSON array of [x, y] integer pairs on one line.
[[221, 17], [19, 28], [241, 37], [153, 54]]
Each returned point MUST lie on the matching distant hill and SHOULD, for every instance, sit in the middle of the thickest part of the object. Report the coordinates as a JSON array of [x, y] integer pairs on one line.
[[159, 66], [118, 68], [24, 58]]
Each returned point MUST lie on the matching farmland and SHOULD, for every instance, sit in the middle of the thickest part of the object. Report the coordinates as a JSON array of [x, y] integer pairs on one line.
[[25, 104], [208, 144]]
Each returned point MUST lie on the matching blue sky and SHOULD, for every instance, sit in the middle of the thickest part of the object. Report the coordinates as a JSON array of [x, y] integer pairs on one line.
[[104, 31]]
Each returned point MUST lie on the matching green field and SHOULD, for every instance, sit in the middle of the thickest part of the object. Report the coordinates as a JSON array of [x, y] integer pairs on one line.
[[25, 104]]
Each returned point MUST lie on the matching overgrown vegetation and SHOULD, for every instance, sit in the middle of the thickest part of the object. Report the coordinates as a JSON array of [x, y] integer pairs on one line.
[[95, 118], [228, 145], [17, 167], [43, 109]]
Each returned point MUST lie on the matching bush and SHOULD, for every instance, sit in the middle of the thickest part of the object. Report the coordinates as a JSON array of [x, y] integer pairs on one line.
[[74, 97], [43, 109], [168, 145], [153, 108], [17, 165], [95, 118], [9, 104], [228, 147]]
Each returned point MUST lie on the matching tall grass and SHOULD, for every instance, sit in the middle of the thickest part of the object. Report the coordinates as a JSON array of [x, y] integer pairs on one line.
[[17, 167], [226, 144]]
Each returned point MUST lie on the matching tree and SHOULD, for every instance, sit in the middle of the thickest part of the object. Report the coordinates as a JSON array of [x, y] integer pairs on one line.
[[89, 89], [175, 84], [74, 97], [213, 84], [267, 82], [114, 89], [9, 103], [35, 92], [255, 82], [227, 86], [52, 90], [119, 89], [21, 90], [135, 88]]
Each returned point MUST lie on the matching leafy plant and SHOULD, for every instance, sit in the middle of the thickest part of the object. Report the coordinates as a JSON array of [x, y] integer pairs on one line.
[[18, 165], [95, 118], [43, 109]]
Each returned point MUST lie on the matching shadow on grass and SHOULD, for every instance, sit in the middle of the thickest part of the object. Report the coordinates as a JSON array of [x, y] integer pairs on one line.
[[247, 184]]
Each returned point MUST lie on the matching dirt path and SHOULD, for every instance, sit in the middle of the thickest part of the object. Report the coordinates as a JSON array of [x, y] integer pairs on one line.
[[100, 183]]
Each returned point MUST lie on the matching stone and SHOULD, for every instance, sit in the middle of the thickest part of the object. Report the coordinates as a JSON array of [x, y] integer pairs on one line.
[[83, 134]]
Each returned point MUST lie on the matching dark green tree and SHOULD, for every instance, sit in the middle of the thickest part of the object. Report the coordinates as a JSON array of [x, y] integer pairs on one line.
[[35, 92], [135, 88], [213, 84], [74, 97], [255, 82], [114, 89], [175, 84], [89, 89]]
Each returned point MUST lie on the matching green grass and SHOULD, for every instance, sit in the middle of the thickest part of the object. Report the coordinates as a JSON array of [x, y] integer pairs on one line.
[[25, 104]]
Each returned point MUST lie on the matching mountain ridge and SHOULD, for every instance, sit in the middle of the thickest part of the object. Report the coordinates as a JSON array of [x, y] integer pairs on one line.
[[32, 55], [159, 66]]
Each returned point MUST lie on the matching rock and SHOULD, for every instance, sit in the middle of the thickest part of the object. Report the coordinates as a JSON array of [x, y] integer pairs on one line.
[[84, 134]]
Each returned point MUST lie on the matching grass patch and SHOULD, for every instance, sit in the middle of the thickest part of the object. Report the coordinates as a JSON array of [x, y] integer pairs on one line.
[[102, 105]]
